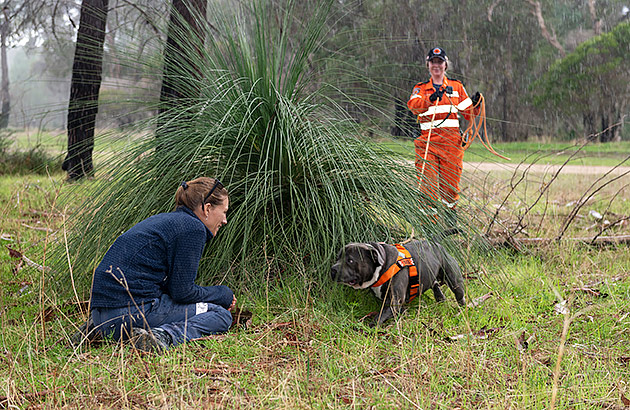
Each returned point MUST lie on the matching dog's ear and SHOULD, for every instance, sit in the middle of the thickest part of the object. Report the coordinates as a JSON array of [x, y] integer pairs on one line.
[[376, 253], [341, 252]]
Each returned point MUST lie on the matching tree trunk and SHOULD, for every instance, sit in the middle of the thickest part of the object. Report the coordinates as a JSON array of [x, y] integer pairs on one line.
[[549, 36], [5, 97], [607, 133], [588, 120], [84, 88], [509, 104], [404, 121], [597, 23], [181, 55]]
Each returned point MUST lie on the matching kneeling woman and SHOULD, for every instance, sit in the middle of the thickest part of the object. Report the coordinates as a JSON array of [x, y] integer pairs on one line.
[[144, 288]]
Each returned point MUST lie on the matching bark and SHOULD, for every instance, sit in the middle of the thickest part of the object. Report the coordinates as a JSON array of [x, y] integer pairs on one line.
[[550, 37], [404, 121], [508, 89], [606, 134], [5, 97], [180, 62], [597, 24], [181, 58], [588, 120], [84, 88], [494, 4]]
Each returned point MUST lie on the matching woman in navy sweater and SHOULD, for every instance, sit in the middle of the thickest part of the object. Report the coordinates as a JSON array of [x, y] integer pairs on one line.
[[144, 288]]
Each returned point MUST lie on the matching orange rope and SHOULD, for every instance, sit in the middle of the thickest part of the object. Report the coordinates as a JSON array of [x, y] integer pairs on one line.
[[474, 129]]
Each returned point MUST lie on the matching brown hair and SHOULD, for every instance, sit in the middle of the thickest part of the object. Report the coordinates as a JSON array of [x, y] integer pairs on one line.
[[192, 194]]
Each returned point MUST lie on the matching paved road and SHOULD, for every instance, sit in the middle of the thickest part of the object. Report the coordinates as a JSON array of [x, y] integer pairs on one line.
[[545, 169]]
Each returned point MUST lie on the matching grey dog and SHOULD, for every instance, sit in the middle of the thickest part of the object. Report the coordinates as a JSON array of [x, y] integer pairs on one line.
[[360, 265]]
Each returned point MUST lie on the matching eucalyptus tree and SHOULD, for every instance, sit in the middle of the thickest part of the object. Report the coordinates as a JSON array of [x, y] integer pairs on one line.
[[555, 29], [592, 83], [84, 88], [5, 99], [182, 53], [87, 71]]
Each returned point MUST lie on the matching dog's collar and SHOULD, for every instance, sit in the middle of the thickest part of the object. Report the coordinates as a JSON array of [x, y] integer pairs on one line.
[[404, 260]]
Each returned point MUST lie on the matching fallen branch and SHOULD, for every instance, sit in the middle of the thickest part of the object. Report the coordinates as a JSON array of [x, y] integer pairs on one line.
[[18, 255], [47, 214], [38, 228]]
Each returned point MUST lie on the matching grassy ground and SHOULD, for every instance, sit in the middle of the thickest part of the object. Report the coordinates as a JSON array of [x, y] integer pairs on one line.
[[55, 141], [554, 330], [533, 152], [553, 153]]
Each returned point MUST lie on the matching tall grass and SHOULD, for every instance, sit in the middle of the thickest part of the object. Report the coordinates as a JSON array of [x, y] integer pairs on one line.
[[302, 178]]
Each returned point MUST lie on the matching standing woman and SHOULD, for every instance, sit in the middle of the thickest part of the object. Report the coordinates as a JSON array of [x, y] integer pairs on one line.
[[438, 103], [144, 288]]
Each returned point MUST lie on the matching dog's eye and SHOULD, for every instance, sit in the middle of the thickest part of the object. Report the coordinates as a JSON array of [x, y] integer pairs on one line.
[[350, 260]]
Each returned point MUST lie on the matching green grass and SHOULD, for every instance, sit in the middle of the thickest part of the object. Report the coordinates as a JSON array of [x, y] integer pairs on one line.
[[608, 154], [309, 350], [106, 141]]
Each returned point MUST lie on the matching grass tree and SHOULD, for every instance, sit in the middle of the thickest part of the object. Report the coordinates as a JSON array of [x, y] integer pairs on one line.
[[303, 179]]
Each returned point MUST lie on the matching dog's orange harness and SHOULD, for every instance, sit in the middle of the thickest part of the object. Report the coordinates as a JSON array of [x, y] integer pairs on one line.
[[404, 260]]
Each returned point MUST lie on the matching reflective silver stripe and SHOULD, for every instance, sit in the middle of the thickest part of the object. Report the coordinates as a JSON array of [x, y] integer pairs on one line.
[[415, 96], [450, 205], [464, 104], [450, 123], [440, 109]]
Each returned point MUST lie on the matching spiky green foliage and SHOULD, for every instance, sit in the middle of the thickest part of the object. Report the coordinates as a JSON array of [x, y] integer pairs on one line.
[[302, 179]]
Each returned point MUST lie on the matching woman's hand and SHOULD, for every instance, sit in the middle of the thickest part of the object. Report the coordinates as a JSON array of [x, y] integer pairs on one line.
[[233, 305]]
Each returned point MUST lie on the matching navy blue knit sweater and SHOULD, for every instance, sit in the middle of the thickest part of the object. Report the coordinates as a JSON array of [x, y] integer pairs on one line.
[[158, 255]]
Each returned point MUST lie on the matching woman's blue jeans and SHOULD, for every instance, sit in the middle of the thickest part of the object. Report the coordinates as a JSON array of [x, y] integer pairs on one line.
[[181, 322]]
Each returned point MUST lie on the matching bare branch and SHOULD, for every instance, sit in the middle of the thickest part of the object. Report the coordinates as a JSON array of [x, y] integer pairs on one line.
[[491, 9], [145, 15], [550, 37], [547, 185], [597, 24], [584, 199], [515, 183]]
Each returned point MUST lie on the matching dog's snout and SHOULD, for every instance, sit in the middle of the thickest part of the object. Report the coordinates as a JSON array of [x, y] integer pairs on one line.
[[333, 271]]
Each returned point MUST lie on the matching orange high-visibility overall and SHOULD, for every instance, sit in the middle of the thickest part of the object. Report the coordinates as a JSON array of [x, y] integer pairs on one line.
[[442, 171]]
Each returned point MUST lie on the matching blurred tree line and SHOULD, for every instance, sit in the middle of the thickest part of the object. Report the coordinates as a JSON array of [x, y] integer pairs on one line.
[[524, 56], [546, 68]]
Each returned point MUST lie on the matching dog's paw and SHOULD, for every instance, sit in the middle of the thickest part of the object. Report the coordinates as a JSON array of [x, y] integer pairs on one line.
[[371, 319]]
